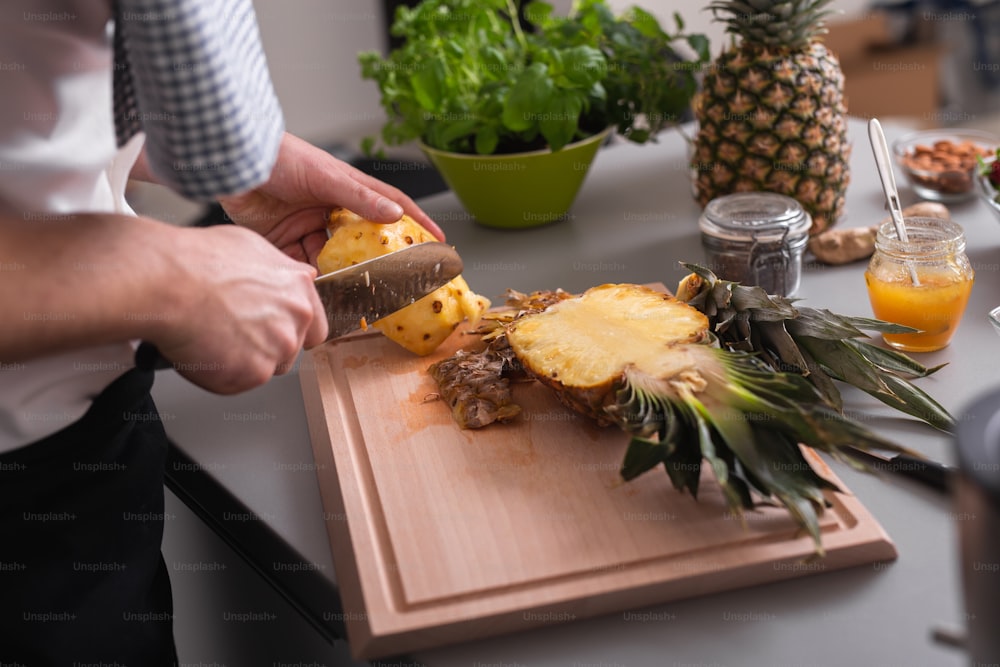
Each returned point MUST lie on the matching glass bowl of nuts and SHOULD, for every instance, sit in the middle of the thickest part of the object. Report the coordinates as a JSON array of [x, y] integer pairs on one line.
[[943, 165]]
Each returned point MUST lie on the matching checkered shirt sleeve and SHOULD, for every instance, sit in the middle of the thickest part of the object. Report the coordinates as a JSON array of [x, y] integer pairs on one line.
[[192, 75]]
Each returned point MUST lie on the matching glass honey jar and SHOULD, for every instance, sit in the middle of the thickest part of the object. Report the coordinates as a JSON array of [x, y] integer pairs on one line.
[[934, 254]]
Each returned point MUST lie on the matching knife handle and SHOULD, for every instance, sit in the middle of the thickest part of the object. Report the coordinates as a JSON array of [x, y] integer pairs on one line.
[[930, 473]]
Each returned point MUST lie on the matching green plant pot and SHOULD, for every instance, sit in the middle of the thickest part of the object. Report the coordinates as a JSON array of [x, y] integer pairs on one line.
[[517, 190]]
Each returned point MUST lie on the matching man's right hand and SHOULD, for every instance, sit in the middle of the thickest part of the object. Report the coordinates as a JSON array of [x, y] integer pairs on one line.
[[241, 311], [222, 304]]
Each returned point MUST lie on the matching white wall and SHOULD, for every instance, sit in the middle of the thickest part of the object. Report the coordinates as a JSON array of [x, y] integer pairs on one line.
[[312, 48]]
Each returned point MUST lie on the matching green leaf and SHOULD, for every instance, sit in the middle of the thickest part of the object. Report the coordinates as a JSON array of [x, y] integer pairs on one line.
[[679, 21], [700, 45], [454, 130], [821, 323], [764, 306], [823, 383], [427, 84], [368, 145], [493, 61], [558, 126], [907, 398], [844, 363], [639, 136], [583, 66], [537, 12], [529, 97], [892, 361], [703, 420], [777, 339], [486, 140], [647, 25], [641, 456], [868, 324]]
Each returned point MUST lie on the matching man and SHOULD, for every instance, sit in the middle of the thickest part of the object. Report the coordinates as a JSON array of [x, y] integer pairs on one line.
[[82, 280]]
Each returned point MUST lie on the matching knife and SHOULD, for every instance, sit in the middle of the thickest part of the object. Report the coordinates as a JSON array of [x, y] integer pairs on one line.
[[365, 292], [370, 290], [932, 474]]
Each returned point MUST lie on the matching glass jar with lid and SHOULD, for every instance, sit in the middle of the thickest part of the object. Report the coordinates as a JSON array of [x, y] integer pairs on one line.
[[756, 238], [924, 283]]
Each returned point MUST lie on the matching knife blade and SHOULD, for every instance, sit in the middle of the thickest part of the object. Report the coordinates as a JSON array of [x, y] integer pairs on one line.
[[366, 291], [932, 474], [370, 290]]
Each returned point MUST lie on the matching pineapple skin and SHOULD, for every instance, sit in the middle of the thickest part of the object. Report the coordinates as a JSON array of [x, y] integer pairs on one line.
[[774, 119], [423, 325]]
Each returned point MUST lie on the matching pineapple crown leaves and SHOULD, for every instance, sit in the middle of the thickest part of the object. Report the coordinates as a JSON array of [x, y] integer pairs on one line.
[[820, 345], [746, 421], [779, 23]]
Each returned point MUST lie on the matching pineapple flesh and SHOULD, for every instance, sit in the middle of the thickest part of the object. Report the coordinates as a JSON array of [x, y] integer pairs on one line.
[[423, 325], [581, 347], [771, 111]]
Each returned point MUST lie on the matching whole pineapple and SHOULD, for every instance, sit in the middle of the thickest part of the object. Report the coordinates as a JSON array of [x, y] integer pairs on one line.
[[772, 112]]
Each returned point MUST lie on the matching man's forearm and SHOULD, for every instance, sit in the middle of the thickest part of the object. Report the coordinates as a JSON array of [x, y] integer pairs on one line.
[[81, 280]]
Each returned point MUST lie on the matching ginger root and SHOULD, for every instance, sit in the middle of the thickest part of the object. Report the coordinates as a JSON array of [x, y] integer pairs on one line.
[[846, 245]]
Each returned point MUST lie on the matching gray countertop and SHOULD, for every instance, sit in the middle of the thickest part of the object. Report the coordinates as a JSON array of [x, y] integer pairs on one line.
[[634, 220]]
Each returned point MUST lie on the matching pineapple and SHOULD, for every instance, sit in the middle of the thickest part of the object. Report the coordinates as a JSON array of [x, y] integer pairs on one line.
[[422, 326], [639, 329], [686, 384], [771, 110]]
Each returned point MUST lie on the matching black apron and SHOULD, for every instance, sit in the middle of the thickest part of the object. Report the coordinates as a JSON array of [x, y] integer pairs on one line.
[[81, 521]]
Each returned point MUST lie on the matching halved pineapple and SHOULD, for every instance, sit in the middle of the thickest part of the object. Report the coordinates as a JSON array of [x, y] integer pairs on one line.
[[423, 325], [581, 347]]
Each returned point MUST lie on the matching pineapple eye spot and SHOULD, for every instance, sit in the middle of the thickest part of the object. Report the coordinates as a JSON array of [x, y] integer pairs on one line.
[[437, 306], [358, 235], [408, 239], [384, 240], [427, 336], [399, 327]]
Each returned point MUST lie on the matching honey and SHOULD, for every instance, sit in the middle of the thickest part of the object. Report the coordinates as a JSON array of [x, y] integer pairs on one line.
[[935, 301], [935, 307]]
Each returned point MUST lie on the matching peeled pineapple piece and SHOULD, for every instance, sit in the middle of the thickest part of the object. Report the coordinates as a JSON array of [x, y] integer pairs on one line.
[[422, 326]]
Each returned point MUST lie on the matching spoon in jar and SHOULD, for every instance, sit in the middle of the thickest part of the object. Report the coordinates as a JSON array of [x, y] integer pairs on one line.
[[883, 163]]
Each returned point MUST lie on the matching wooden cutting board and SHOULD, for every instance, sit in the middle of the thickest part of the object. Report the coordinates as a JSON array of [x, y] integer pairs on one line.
[[440, 534]]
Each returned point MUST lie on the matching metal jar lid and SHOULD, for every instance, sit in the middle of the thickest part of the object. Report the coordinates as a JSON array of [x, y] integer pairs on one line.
[[761, 217]]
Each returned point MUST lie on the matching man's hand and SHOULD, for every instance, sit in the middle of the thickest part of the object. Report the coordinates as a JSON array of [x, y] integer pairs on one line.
[[291, 209], [246, 313], [225, 306]]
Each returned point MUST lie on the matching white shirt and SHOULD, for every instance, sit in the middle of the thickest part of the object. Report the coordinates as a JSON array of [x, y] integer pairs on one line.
[[57, 156]]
